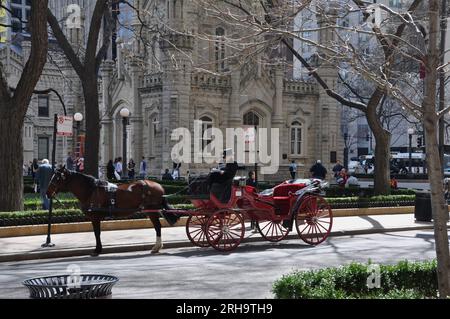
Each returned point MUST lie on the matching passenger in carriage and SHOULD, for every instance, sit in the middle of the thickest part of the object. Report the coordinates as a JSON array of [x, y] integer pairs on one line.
[[220, 180], [251, 181], [225, 171]]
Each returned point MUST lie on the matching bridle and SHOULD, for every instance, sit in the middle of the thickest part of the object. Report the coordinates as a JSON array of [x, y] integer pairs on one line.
[[57, 176]]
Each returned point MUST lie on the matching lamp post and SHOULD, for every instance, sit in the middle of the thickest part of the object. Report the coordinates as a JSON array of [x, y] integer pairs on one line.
[[77, 117], [369, 139], [125, 114], [410, 134], [345, 151]]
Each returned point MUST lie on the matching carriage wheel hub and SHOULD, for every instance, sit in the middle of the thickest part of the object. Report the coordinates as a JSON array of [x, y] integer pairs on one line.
[[226, 230]]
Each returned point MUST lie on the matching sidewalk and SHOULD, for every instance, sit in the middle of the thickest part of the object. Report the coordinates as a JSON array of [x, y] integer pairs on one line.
[[80, 244]]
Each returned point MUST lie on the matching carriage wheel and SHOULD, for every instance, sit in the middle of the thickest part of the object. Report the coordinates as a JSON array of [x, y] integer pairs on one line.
[[225, 230], [272, 230], [196, 230], [314, 220]]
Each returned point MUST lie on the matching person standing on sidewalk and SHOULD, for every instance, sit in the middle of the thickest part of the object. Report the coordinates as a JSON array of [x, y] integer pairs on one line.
[[44, 175], [318, 170], [70, 163], [143, 168], [293, 169]]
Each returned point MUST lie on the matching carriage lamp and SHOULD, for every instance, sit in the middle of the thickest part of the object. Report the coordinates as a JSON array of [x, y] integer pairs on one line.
[[410, 134], [125, 114], [77, 117]]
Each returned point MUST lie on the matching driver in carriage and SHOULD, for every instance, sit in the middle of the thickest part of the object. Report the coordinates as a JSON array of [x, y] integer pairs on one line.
[[220, 179]]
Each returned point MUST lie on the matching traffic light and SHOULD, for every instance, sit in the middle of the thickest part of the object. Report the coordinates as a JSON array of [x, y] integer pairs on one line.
[[419, 141]]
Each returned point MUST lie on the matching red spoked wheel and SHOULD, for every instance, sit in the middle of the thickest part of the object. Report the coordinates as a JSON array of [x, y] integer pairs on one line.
[[225, 230], [272, 230], [196, 230], [314, 220]]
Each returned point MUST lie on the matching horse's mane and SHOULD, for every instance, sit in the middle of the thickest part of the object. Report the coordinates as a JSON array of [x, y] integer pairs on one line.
[[91, 180]]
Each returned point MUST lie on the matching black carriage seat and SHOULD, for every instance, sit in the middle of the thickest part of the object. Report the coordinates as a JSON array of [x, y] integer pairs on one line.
[[222, 190]]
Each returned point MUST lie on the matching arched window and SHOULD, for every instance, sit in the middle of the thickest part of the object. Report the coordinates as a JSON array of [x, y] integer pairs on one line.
[[153, 130], [296, 138], [220, 49], [207, 123], [251, 118]]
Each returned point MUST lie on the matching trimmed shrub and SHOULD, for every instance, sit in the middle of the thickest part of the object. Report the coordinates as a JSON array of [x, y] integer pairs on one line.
[[403, 280]]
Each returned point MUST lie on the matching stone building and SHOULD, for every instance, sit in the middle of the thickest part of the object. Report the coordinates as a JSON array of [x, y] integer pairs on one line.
[[163, 96]]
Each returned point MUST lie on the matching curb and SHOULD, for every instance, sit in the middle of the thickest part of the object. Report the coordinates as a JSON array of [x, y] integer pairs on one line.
[[76, 252], [33, 230]]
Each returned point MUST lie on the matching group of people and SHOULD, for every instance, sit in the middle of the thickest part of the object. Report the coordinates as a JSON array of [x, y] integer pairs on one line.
[[114, 170], [343, 178], [175, 175], [75, 163]]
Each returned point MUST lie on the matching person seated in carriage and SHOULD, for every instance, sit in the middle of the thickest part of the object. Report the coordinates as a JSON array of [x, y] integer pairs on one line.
[[220, 179]]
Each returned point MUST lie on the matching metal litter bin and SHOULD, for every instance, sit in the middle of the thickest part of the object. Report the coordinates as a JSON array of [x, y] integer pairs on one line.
[[70, 287], [422, 209]]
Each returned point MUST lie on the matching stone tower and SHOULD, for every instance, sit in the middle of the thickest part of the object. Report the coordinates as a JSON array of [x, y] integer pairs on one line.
[[176, 49], [329, 144]]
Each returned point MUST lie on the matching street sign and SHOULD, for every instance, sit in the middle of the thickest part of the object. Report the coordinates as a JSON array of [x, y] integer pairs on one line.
[[64, 126]]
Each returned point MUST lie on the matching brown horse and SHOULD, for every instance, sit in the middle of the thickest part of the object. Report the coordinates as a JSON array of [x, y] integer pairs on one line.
[[97, 202]]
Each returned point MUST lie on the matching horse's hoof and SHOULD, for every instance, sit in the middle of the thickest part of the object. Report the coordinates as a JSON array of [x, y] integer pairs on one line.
[[156, 249], [95, 253]]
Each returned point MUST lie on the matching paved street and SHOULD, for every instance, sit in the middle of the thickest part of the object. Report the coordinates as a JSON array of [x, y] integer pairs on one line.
[[204, 273]]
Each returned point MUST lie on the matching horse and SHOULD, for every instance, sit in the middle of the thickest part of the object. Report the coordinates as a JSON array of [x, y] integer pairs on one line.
[[97, 201]]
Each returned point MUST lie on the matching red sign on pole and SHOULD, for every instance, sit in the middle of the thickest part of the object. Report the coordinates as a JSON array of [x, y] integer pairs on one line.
[[64, 126]]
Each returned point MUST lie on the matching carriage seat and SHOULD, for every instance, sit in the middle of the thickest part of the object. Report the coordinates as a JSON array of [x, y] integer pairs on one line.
[[222, 191]]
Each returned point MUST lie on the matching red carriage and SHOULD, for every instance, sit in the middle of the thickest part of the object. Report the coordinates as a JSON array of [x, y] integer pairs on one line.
[[219, 218]]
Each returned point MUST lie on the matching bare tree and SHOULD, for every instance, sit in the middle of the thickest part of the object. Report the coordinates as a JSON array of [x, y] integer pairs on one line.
[[87, 68], [13, 108], [273, 21]]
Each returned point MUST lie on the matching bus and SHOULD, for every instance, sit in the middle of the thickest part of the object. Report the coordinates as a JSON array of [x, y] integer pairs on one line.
[[399, 163]]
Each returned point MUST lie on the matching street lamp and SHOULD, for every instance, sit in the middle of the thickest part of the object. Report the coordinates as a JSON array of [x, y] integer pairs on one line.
[[78, 117], [345, 150], [410, 134], [369, 139], [125, 114]]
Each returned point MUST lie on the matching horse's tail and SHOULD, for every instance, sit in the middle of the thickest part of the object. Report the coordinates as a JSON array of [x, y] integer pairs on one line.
[[171, 218]]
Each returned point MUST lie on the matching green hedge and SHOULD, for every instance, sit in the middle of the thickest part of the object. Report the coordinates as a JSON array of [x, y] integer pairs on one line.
[[403, 280], [334, 191]]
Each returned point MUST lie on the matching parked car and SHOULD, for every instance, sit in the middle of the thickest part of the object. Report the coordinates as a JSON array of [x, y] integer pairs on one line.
[[355, 167]]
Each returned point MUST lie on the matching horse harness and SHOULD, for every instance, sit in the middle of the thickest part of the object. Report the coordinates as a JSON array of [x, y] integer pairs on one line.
[[111, 192]]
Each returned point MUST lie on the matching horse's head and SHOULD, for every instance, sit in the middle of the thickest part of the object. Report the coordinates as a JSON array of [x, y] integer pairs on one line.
[[58, 182]]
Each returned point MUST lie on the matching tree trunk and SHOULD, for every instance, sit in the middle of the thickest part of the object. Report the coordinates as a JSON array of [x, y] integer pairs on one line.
[[430, 122], [11, 160], [92, 125], [439, 209], [13, 108], [381, 175]]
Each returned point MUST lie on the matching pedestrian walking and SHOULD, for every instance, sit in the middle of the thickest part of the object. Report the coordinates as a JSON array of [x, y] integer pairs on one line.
[[80, 165], [131, 169], [337, 168], [34, 169], [318, 170], [143, 168], [110, 170], [167, 176], [119, 167], [70, 163], [44, 175], [293, 169]]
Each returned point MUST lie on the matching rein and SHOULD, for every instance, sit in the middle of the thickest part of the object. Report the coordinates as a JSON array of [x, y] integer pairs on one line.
[[183, 189]]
